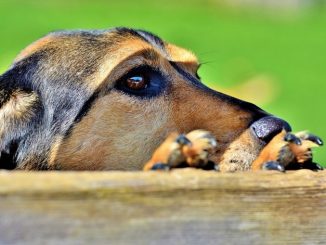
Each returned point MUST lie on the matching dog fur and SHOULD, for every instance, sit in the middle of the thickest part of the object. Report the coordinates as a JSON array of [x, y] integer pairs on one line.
[[62, 105]]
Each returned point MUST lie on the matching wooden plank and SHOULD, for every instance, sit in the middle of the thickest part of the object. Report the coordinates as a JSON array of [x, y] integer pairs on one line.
[[180, 207]]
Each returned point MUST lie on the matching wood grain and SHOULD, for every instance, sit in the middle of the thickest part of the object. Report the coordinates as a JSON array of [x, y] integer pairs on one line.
[[180, 207]]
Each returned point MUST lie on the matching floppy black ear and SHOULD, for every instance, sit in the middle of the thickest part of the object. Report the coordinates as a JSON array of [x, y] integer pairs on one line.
[[18, 108], [39, 102]]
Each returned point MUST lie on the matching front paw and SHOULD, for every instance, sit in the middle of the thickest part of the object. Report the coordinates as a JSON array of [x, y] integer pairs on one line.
[[289, 151], [179, 151], [303, 152]]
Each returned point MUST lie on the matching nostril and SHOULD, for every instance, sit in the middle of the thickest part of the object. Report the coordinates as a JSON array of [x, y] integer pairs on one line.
[[267, 127]]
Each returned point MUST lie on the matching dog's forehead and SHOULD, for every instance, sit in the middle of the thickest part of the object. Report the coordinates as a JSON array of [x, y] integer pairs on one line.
[[98, 56], [174, 53], [118, 40]]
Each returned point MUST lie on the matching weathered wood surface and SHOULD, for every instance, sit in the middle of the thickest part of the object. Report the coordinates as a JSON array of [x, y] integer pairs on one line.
[[180, 207]]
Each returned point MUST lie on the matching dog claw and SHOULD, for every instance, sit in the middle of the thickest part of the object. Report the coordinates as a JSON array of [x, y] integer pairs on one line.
[[273, 166], [315, 139], [217, 168], [291, 138], [319, 167], [210, 165], [183, 140], [161, 166], [180, 151]]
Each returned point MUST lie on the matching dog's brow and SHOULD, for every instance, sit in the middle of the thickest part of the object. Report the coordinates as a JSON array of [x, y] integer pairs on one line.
[[146, 36], [149, 54], [152, 39]]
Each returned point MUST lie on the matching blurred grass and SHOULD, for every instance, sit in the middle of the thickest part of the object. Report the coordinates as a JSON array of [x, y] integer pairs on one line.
[[233, 44]]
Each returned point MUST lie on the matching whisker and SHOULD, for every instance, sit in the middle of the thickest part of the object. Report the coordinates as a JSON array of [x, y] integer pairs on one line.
[[207, 62]]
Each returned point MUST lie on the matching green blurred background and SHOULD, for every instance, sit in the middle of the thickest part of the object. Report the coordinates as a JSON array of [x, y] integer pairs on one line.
[[272, 52]]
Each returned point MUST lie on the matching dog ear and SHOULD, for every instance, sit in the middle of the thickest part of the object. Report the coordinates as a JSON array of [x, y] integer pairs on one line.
[[18, 108]]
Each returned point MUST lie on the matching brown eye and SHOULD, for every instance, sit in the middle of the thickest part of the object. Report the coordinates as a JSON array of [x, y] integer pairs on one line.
[[143, 81], [136, 82]]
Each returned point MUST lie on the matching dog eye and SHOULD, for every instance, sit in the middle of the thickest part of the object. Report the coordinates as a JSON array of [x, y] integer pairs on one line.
[[136, 82], [143, 81]]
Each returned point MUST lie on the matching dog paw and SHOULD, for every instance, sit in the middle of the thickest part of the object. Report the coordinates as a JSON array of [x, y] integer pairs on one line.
[[289, 151], [179, 150]]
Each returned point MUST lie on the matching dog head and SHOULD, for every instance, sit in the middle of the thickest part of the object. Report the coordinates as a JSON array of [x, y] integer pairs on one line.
[[106, 99]]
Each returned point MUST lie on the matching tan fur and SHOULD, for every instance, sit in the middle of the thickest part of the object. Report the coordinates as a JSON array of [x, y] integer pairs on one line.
[[239, 153], [163, 152], [203, 146], [119, 131], [303, 152], [271, 151], [19, 108], [184, 57], [125, 146], [125, 58], [225, 122], [133, 138], [36, 46]]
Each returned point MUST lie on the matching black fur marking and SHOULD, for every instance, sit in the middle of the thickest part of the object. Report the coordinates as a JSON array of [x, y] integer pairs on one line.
[[144, 35], [4, 95], [307, 165], [8, 158], [152, 39], [82, 112], [86, 107]]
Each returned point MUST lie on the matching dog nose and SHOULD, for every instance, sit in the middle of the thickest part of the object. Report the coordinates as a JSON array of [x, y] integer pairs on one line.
[[267, 127]]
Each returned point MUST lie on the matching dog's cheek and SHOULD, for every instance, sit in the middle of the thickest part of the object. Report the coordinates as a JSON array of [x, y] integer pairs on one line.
[[120, 132], [240, 153], [137, 129]]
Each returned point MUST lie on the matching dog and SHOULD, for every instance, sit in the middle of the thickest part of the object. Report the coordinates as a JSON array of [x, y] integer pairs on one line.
[[106, 99]]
